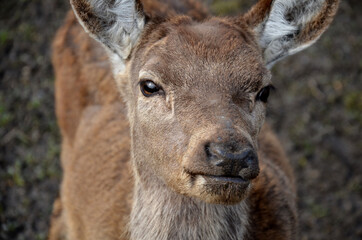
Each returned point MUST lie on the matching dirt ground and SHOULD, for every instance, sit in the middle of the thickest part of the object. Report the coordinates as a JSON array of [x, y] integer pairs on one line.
[[316, 111]]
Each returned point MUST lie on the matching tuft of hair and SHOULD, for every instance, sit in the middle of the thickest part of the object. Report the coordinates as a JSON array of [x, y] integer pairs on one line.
[[117, 24], [285, 27]]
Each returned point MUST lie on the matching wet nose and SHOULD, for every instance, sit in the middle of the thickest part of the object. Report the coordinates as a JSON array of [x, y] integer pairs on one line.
[[235, 160]]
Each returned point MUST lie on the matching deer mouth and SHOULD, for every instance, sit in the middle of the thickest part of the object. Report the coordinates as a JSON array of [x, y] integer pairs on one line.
[[218, 188], [219, 179], [225, 179]]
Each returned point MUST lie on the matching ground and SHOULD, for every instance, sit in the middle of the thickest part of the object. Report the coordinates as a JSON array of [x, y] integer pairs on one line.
[[316, 111]]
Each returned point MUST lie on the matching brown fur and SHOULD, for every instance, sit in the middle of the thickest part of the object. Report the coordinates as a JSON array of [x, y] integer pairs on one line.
[[131, 170], [319, 24], [258, 12]]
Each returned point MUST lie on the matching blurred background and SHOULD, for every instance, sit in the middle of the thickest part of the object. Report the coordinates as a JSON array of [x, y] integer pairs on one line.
[[316, 111]]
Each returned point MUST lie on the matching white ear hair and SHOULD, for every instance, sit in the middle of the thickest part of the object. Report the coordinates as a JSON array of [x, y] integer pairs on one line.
[[116, 24], [284, 29]]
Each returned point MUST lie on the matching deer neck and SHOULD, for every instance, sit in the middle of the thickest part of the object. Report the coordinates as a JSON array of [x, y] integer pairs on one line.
[[160, 213]]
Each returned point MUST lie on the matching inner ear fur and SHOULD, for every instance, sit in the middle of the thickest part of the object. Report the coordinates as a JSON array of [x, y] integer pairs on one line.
[[285, 27], [117, 24]]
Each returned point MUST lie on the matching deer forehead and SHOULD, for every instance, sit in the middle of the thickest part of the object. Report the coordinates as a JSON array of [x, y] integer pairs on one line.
[[210, 55]]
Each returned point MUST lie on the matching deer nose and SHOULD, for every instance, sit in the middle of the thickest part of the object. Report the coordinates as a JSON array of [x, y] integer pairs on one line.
[[234, 160]]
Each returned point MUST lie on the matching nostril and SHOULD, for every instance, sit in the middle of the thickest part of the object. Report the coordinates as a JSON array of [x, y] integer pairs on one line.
[[207, 150], [215, 150], [250, 159], [233, 159], [251, 170], [226, 151], [248, 155], [214, 154]]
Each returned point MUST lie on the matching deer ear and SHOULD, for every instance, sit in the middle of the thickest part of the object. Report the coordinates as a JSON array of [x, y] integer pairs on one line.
[[285, 27], [117, 24]]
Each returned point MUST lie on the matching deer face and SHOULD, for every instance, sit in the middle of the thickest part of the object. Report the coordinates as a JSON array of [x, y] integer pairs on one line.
[[198, 102], [196, 91]]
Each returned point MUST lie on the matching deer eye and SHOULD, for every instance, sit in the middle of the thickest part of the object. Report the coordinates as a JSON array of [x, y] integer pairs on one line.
[[263, 95], [149, 88]]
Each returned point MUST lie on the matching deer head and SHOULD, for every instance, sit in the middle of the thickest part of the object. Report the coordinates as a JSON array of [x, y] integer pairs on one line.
[[197, 91]]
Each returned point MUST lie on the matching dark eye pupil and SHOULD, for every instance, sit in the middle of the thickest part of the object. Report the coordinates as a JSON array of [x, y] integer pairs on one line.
[[148, 88], [264, 94]]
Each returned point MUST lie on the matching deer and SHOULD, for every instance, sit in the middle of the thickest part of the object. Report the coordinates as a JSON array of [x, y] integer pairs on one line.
[[162, 109]]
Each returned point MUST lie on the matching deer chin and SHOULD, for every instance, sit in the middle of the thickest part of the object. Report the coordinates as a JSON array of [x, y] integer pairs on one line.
[[212, 189]]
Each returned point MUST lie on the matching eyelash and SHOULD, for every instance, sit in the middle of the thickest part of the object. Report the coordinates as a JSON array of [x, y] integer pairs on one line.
[[264, 93]]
